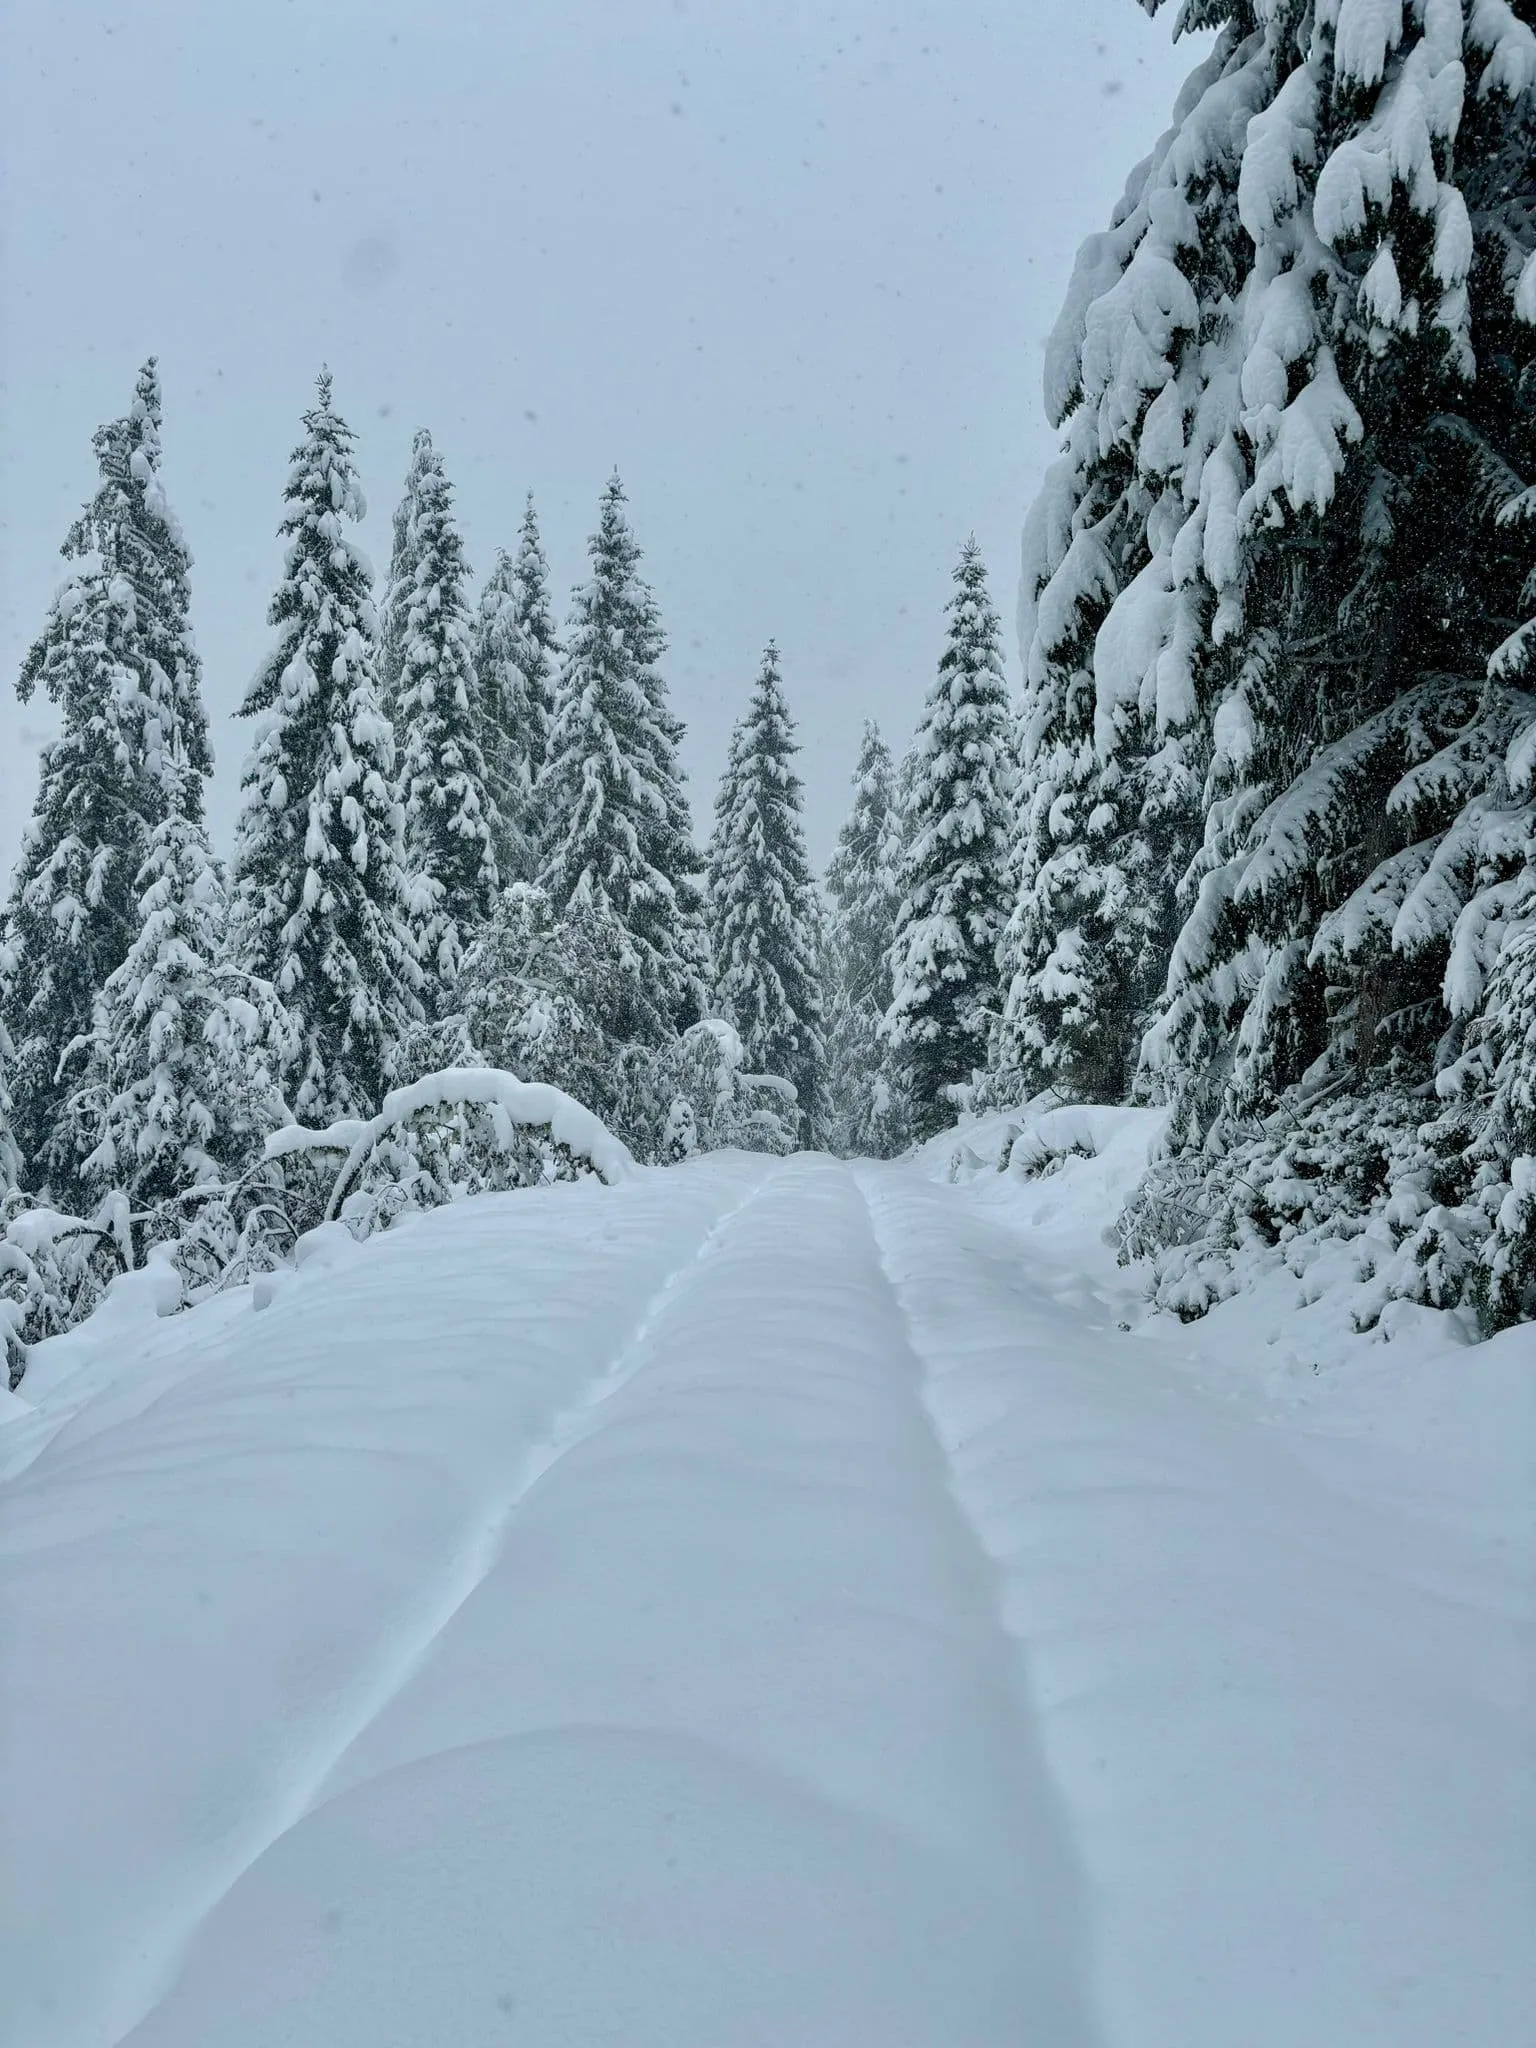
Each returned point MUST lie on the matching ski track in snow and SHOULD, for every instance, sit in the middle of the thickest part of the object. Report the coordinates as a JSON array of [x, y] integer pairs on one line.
[[403, 1652], [860, 1642]]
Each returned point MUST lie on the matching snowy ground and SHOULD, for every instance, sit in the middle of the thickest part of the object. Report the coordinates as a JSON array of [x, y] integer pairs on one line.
[[773, 1602]]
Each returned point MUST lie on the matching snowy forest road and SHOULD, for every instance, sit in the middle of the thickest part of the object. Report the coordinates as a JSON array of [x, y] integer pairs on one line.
[[754, 1605]]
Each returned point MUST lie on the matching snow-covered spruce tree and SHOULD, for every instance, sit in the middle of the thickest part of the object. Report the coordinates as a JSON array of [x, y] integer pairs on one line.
[[320, 907], [611, 796], [400, 584], [764, 906], [1493, 1086], [450, 817], [954, 875], [1129, 550], [180, 1087], [863, 1108], [118, 658], [1322, 431], [517, 659]]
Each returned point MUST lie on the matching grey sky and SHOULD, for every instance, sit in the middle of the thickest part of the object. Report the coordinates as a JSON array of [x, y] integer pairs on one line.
[[788, 264]]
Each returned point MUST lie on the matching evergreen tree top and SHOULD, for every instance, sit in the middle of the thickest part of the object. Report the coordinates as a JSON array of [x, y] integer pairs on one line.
[[325, 593], [961, 772], [863, 876], [435, 592], [129, 539], [514, 618], [863, 844], [531, 559], [767, 743], [394, 624], [615, 594]]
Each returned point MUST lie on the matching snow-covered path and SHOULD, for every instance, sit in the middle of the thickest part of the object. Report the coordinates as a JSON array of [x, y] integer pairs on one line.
[[761, 1604]]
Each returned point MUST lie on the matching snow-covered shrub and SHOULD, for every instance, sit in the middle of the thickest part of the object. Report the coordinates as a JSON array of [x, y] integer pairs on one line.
[[458, 1132], [54, 1269], [1046, 1145], [712, 1090], [464, 1131], [1374, 1172]]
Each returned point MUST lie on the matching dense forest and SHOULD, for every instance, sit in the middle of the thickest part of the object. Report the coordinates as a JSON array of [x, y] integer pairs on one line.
[[1251, 839]]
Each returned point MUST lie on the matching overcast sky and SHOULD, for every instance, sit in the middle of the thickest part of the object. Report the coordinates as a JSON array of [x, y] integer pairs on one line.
[[788, 264]]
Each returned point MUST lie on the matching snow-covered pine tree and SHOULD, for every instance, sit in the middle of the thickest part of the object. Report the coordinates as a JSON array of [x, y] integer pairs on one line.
[[320, 907], [862, 875], [764, 906], [450, 817], [611, 796], [1492, 1088], [1303, 328], [954, 878], [400, 585], [118, 658], [1127, 550], [517, 659], [863, 1111], [180, 1087]]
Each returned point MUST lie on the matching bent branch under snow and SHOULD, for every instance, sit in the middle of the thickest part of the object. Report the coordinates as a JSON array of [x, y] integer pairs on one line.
[[512, 1105]]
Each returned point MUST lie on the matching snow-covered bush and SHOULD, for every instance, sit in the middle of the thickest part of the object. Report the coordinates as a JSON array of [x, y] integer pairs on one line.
[[54, 1269], [1046, 1145], [467, 1130], [458, 1132]]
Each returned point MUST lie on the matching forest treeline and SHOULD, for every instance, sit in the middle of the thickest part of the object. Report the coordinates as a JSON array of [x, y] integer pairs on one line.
[[1254, 841]]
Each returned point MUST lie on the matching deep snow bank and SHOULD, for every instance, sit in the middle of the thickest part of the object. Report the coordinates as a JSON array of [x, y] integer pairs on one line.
[[774, 1602]]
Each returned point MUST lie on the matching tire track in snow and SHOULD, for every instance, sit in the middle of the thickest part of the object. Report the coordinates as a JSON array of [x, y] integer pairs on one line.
[[1031, 1730], [408, 1649]]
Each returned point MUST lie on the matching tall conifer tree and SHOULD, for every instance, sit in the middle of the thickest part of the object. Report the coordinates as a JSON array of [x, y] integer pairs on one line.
[[954, 880], [450, 818], [517, 660], [1275, 802], [864, 1110], [765, 914], [320, 894], [118, 659], [616, 816], [394, 611], [181, 1084]]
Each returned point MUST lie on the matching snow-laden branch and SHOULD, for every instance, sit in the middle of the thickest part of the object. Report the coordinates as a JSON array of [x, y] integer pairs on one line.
[[512, 1105]]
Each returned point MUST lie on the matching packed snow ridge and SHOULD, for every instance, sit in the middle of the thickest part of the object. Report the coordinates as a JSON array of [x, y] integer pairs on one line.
[[767, 1600]]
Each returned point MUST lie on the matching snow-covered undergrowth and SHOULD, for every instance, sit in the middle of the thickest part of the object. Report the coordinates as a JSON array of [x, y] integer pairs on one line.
[[461, 1131], [773, 1600], [1329, 1292]]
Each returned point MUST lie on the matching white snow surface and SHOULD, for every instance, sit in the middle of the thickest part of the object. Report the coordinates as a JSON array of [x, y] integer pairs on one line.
[[767, 1601]]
